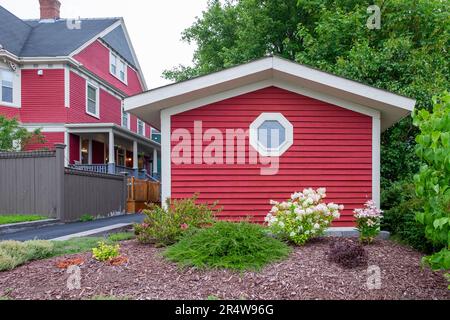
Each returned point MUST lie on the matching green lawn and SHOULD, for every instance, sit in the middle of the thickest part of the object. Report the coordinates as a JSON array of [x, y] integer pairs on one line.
[[20, 218]]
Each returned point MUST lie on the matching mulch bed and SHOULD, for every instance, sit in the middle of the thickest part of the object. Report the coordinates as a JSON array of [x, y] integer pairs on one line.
[[305, 275]]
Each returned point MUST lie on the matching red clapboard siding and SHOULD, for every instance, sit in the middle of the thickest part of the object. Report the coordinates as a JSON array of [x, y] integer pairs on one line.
[[43, 96], [96, 59], [332, 148], [10, 112], [110, 106], [51, 138]]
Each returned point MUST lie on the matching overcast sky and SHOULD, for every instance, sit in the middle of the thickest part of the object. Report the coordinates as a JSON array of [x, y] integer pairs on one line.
[[155, 27]]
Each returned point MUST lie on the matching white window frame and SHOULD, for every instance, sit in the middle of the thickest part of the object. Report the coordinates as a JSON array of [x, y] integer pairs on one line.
[[128, 119], [97, 97], [7, 103], [281, 149], [143, 127], [119, 64]]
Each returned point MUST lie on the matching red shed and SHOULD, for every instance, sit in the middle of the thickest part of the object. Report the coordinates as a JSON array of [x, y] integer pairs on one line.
[[266, 129]]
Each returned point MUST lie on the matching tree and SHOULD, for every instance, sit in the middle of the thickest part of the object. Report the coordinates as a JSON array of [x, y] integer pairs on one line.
[[13, 137], [408, 55]]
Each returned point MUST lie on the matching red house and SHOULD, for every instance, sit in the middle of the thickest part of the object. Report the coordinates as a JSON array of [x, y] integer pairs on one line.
[[266, 129], [69, 78]]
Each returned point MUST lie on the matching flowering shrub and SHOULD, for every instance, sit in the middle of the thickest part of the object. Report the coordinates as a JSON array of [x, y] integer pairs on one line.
[[368, 221], [302, 217], [165, 226]]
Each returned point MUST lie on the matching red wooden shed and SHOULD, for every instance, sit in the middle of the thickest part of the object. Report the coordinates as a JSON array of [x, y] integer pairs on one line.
[[263, 130]]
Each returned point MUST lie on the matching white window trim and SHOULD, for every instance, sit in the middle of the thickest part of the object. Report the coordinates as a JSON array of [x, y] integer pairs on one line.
[[118, 61], [97, 94], [143, 127], [271, 152], [16, 89], [128, 119]]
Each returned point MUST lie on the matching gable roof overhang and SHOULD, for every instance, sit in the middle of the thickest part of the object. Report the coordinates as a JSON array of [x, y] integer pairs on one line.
[[270, 71]]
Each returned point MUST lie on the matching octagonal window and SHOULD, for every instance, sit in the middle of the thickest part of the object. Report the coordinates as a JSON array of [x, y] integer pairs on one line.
[[271, 134]]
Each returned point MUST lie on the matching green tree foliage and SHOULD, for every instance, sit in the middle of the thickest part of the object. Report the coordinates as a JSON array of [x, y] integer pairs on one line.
[[12, 135], [433, 180], [408, 55]]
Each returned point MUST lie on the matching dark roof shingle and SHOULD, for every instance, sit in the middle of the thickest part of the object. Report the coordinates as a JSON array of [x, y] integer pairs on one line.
[[117, 40], [13, 31]]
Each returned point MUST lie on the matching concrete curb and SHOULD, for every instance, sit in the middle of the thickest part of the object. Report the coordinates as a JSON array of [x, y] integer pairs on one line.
[[16, 227], [96, 232]]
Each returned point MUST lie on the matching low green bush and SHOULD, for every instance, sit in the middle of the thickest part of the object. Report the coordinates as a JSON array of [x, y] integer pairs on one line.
[[15, 253], [401, 205], [164, 227], [105, 252], [238, 246]]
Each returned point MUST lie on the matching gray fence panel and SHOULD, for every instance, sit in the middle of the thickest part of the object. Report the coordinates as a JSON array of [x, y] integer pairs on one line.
[[38, 183], [27, 183], [93, 194]]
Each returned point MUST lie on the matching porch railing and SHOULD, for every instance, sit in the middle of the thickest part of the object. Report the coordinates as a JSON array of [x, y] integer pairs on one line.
[[98, 168], [103, 168]]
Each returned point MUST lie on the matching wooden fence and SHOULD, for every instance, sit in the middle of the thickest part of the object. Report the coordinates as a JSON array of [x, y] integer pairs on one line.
[[38, 183], [142, 192]]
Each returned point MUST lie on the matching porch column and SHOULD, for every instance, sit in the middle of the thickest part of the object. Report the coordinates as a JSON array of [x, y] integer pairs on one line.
[[155, 161], [111, 156], [67, 149], [135, 159], [90, 152]]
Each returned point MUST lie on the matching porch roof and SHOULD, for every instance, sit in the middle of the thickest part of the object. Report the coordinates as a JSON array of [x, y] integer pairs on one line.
[[111, 127]]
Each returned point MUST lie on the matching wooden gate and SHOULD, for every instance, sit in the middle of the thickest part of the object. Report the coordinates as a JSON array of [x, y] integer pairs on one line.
[[141, 193]]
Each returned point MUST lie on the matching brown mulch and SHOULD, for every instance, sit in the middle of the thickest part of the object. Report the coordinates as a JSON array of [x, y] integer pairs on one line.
[[306, 274]]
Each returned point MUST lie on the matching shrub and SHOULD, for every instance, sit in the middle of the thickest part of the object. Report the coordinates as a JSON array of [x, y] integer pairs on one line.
[[238, 246], [368, 221], [164, 227], [347, 253], [433, 180], [303, 217], [401, 205], [86, 218], [15, 253], [106, 252]]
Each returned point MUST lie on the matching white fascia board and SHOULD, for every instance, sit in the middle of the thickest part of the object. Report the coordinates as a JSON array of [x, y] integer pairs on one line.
[[342, 84]]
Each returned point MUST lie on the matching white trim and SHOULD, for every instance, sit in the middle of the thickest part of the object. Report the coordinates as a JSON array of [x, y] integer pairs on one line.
[[44, 127], [254, 135], [392, 106], [67, 86], [43, 66], [119, 60], [122, 112], [16, 87], [376, 159], [166, 161], [97, 97], [67, 149]]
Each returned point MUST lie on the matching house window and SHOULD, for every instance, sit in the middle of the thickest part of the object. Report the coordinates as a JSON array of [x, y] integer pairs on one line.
[[271, 134], [7, 86], [113, 63], [141, 127], [155, 135], [125, 119], [118, 67], [92, 102]]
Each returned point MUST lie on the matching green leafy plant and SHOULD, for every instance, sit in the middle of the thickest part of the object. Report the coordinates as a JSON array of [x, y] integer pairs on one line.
[[400, 204], [238, 246], [14, 138], [164, 227], [10, 219], [302, 217], [433, 180], [105, 252], [368, 222], [86, 218]]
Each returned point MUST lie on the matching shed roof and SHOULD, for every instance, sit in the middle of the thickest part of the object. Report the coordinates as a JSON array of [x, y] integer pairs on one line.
[[271, 71]]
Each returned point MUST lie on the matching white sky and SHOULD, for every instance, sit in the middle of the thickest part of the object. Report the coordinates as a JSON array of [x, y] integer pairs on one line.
[[154, 26]]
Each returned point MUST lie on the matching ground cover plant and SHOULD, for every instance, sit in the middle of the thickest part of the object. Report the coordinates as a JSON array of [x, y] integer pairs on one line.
[[10, 219], [238, 246]]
